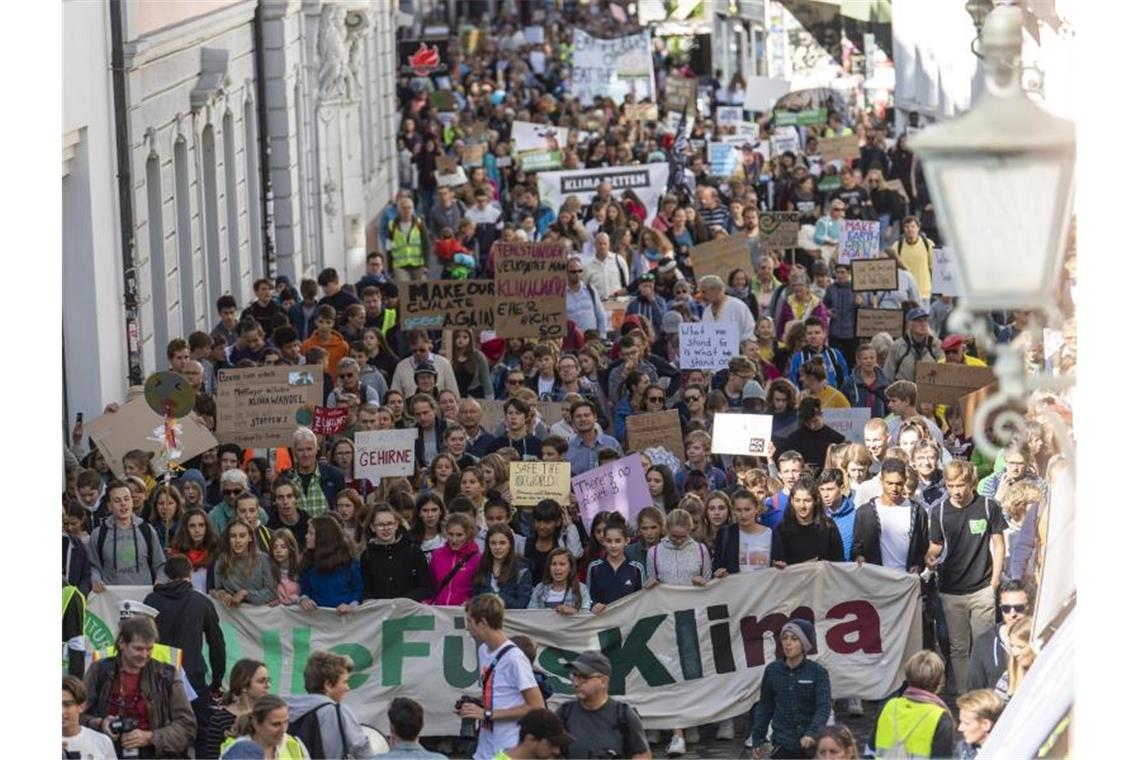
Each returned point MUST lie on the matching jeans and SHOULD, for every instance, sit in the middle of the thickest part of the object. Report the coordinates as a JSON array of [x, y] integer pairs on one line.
[[967, 616]]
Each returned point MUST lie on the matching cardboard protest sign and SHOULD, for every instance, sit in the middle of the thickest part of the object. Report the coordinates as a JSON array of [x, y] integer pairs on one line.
[[761, 93], [530, 290], [385, 454], [708, 345], [329, 420], [943, 279], [779, 229], [449, 173], [969, 405], [849, 422], [531, 482], [618, 486], [473, 153], [261, 407], [858, 239], [874, 274], [644, 431], [942, 383], [133, 426], [526, 135], [741, 434], [681, 95], [721, 256], [642, 112], [447, 304], [839, 148], [540, 160], [478, 130], [871, 322]]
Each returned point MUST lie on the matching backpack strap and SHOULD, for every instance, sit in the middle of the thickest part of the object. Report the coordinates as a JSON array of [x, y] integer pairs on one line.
[[148, 537]]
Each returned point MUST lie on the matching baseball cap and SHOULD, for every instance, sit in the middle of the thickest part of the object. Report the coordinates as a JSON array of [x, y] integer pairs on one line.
[[647, 277], [951, 341], [544, 724], [917, 313], [671, 322], [590, 662], [427, 367]]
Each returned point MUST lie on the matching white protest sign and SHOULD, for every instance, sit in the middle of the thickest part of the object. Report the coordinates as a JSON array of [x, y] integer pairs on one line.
[[849, 422], [785, 139], [858, 239], [743, 434], [530, 136], [537, 61], [535, 35], [943, 280], [708, 345], [723, 158], [613, 68], [647, 181], [761, 93], [385, 453], [729, 116]]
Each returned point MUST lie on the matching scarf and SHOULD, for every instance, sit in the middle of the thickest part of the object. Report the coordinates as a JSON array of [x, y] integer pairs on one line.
[[915, 694]]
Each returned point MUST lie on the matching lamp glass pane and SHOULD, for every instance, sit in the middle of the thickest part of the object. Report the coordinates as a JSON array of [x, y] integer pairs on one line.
[[1000, 219]]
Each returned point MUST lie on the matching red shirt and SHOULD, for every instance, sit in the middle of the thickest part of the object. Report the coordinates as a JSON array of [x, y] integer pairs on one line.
[[127, 699]]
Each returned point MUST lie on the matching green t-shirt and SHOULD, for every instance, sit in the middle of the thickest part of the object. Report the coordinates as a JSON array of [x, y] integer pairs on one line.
[[501, 756]]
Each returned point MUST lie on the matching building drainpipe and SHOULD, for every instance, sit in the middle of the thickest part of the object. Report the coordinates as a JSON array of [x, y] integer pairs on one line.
[[264, 149], [126, 197]]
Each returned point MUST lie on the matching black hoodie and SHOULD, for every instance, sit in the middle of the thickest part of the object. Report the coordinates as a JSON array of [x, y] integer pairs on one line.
[[184, 616], [396, 571]]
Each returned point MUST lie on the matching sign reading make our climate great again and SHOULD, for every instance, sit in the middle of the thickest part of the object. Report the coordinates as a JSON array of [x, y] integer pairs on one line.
[[683, 655]]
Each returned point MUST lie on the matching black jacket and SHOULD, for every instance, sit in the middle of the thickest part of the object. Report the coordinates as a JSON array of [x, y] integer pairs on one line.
[[440, 426], [76, 564], [867, 531], [987, 660], [396, 571], [184, 617]]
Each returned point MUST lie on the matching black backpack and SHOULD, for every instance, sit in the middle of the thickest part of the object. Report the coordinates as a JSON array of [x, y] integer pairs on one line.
[[623, 709], [307, 728]]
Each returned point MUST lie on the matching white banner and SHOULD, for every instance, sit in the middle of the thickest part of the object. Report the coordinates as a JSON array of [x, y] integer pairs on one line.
[[741, 434], [530, 136], [682, 656], [647, 181], [708, 345], [613, 68], [385, 453]]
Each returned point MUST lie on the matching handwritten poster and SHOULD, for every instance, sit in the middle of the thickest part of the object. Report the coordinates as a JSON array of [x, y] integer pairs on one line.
[[618, 486], [385, 454], [858, 239], [261, 407], [944, 281], [708, 345], [531, 482], [447, 304], [530, 290], [849, 422], [779, 229]]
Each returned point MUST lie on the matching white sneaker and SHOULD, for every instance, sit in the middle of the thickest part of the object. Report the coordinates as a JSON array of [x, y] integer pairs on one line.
[[725, 731], [693, 735], [854, 706], [676, 747], [748, 741]]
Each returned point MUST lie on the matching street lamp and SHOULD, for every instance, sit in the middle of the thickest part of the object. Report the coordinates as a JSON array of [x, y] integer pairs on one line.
[[1001, 178]]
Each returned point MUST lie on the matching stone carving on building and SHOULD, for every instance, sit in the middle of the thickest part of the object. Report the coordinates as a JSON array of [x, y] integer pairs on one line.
[[330, 187], [336, 79]]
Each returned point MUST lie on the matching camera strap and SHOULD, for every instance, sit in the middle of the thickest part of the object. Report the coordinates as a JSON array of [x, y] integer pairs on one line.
[[488, 681]]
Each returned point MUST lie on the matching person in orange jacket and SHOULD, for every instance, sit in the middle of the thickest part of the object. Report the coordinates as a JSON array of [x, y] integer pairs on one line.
[[326, 337]]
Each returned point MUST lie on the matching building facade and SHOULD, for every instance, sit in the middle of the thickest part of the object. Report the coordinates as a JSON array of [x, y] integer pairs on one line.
[[208, 143]]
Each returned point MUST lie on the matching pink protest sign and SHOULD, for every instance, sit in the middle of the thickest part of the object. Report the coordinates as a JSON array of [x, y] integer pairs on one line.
[[615, 487]]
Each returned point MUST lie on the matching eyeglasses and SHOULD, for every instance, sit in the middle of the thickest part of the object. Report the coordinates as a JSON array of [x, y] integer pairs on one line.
[[347, 375], [1019, 608], [574, 271], [576, 676], [655, 399], [692, 398], [514, 382]]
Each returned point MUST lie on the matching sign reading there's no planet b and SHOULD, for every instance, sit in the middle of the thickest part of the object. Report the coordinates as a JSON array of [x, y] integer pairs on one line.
[[741, 434]]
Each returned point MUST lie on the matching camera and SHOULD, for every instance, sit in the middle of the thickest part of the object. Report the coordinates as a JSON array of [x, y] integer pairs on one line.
[[120, 726], [468, 727]]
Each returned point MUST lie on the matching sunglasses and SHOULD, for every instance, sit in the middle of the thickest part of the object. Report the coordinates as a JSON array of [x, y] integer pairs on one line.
[[657, 399], [228, 492], [514, 382], [1020, 608], [692, 398]]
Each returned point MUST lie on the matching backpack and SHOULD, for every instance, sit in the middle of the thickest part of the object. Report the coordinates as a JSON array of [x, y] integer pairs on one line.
[[623, 709], [148, 538], [307, 728]]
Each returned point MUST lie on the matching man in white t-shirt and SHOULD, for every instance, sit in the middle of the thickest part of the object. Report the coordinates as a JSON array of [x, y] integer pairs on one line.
[[79, 741], [723, 308], [891, 530], [506, 677]]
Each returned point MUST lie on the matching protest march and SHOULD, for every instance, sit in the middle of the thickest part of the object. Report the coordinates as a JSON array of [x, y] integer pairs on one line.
[[645, 427]]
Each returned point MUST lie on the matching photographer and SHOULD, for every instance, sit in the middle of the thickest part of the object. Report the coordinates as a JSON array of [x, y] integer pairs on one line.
[[509, 688], [603, 727], [138, 702]]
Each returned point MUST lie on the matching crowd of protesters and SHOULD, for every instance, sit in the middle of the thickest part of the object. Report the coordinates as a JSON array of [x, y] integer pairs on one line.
[[295, 526]]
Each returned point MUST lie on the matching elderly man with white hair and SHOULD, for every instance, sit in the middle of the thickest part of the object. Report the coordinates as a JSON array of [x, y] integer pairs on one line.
[[608, 273], [233, 484], [721, 308], [318, 482]]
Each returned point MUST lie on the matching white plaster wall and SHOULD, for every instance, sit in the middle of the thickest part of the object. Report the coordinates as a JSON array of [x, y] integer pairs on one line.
[[93, 317]]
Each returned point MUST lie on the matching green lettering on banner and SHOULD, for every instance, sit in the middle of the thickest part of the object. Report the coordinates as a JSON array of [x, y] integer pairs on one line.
[[301, 638], [688, 644], [97, 632], [454, 651], [556, 662], [634, 653], [394, 648], [361, 662], [270, 654]]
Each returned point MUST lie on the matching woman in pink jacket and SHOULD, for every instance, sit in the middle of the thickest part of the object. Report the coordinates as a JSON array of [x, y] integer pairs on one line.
[[455, 564]]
